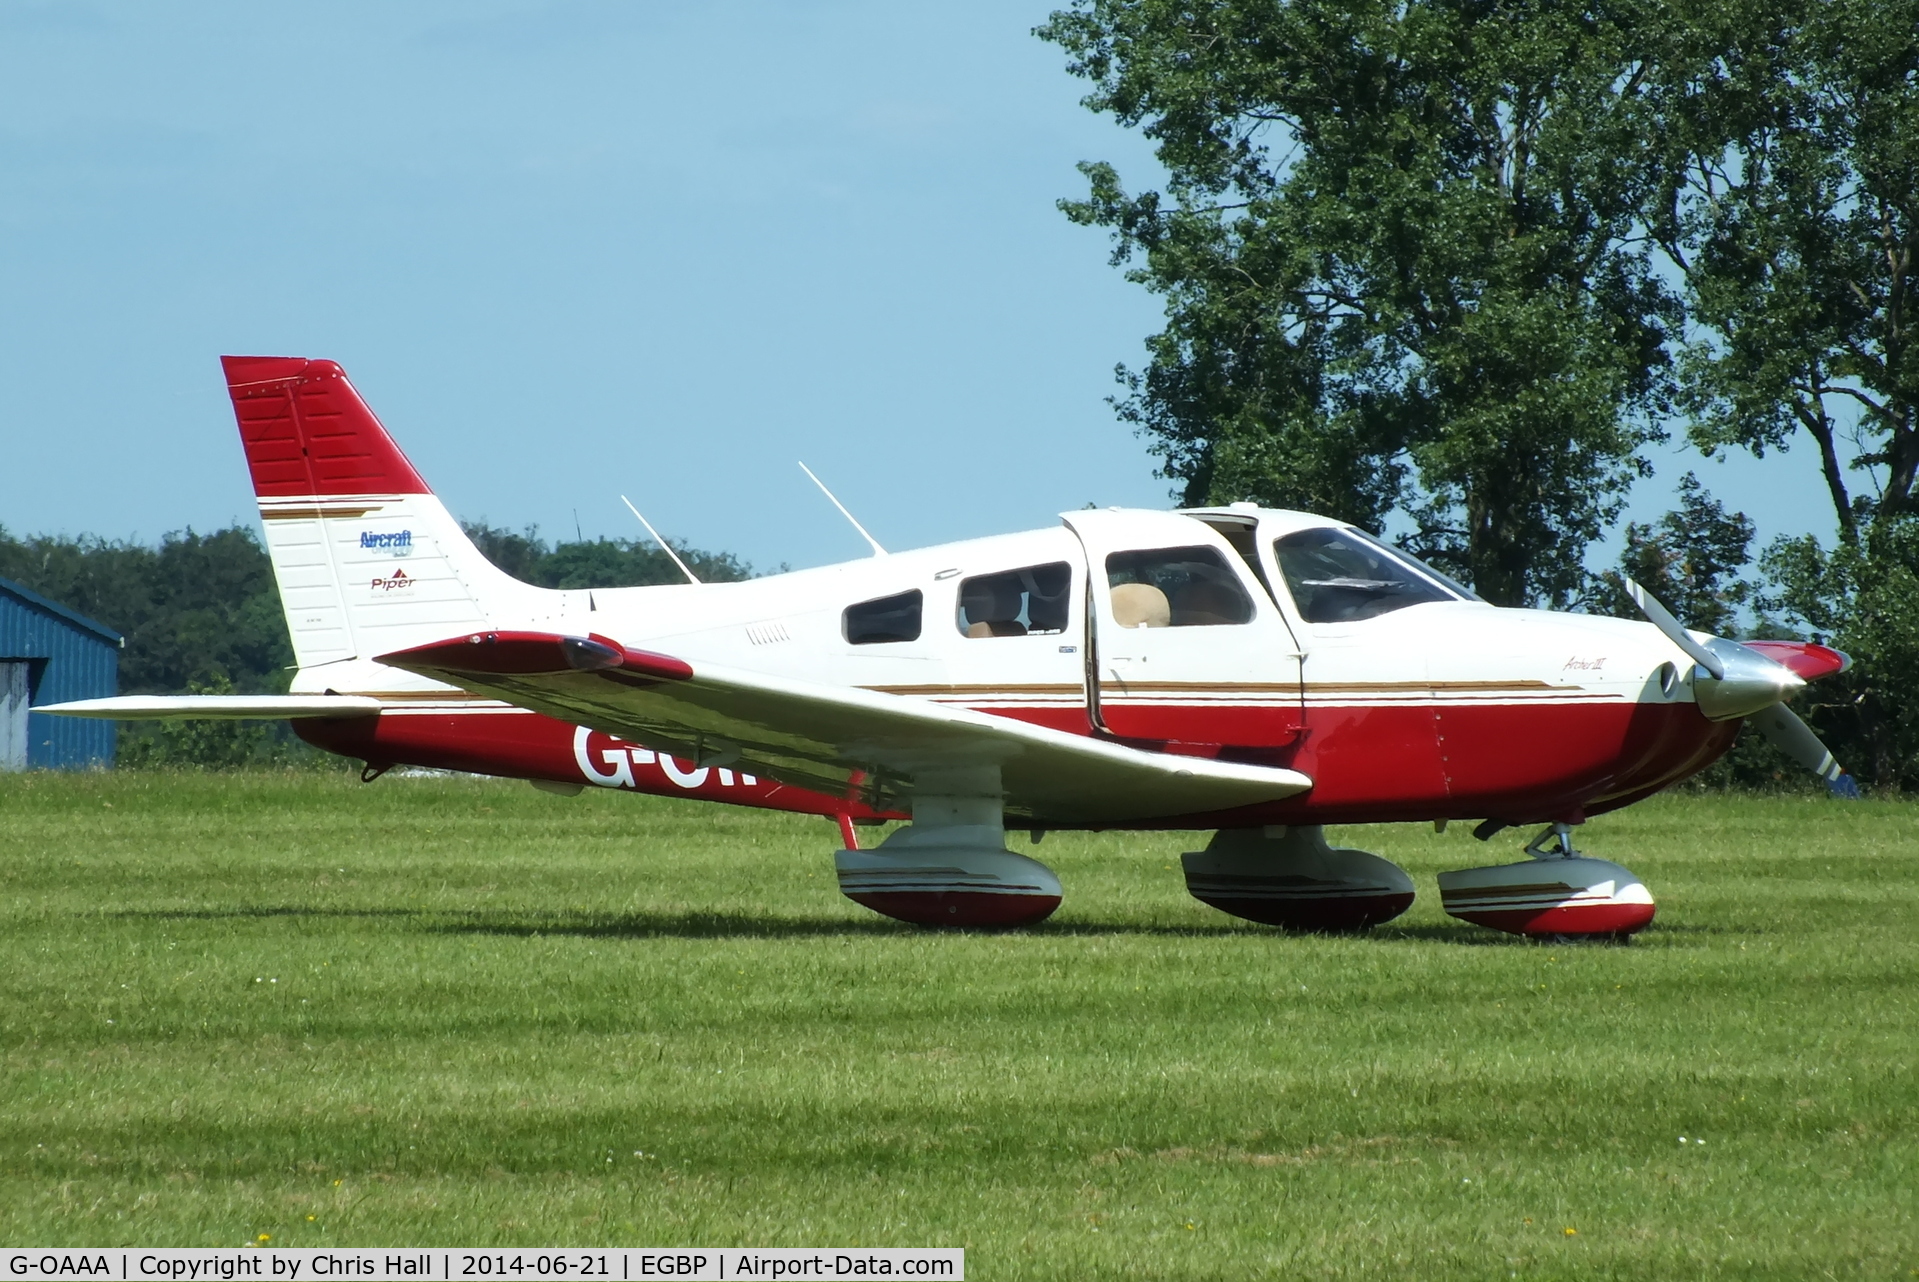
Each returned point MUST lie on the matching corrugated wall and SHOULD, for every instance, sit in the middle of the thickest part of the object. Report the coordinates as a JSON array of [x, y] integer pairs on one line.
[[69, 662]]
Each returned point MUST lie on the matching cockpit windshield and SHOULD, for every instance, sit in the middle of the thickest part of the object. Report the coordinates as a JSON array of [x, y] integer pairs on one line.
[[1344, 575]]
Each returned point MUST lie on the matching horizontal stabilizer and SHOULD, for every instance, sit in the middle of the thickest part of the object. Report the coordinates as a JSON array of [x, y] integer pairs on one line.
[[218, 707]]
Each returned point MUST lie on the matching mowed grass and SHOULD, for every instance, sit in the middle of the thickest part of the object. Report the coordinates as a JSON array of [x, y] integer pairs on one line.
[[457, 1012]]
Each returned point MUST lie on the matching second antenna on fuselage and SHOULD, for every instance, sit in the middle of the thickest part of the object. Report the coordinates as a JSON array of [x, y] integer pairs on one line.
[[877, 549], [664, 546]]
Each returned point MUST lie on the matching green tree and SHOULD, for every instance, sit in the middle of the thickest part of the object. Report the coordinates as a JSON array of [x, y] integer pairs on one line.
[[598, 563], [519, 555], [1691, 559], [1788, 197], [200, 614], [194, 607], [1862, 596], [1398, 247]]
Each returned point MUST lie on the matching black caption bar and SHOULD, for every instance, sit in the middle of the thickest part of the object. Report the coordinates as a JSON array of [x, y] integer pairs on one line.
[[417, 1264]]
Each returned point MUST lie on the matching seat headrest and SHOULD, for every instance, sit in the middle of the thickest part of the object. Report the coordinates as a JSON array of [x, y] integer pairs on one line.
[[1199, 604], [1140, 605]]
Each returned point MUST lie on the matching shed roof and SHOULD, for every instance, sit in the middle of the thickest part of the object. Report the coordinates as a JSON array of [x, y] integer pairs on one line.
[[38, 602]]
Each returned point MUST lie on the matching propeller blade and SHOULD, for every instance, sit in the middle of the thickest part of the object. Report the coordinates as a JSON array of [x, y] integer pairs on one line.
[[1661, 618], [1792, 736]]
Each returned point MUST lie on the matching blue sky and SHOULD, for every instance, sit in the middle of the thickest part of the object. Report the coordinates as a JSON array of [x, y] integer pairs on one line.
[[571, 250]]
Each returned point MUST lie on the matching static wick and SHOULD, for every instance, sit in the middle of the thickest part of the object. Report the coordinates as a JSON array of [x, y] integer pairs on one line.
[[690, 576], [877, 549]]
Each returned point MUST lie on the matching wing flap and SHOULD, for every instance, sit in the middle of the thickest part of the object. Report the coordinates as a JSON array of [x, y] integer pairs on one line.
[[830, 738]]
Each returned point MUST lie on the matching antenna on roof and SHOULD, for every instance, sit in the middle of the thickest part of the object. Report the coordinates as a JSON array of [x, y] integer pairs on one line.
[[690, 576], [877, 549]]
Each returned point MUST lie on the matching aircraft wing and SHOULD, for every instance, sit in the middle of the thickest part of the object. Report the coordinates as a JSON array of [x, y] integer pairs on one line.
[[842, 741], [217, 707]]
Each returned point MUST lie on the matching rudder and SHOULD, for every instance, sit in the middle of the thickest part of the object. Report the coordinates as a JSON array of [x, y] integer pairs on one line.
[[307, 433]]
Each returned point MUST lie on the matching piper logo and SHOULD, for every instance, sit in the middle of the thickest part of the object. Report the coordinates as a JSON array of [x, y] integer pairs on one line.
[[394, 582], [391, 542]]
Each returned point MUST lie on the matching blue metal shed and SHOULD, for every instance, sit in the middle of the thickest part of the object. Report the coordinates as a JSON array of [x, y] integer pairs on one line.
[[49, 654]]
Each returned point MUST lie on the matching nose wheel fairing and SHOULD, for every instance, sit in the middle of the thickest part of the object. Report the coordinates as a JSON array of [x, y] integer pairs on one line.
[[1576, 896], [1558, 892]]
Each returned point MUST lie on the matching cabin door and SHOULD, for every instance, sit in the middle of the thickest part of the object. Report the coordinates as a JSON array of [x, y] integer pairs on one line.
[[1183, 644]]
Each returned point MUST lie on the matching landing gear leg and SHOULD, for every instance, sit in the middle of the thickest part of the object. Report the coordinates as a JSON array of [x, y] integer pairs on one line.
[[1560, 835], [950, 866]]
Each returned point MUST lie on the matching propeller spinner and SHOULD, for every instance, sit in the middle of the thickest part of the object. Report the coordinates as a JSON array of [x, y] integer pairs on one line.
[[1734, 680]]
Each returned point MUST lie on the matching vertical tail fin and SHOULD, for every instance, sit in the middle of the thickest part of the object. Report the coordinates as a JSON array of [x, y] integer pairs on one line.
[[367, 559]]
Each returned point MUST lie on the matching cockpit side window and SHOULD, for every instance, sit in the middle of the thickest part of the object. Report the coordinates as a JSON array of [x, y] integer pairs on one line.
[[1175, 588], [1342, 576], [889, 618], [1446, 581], [1016, 603], [1245, 541]]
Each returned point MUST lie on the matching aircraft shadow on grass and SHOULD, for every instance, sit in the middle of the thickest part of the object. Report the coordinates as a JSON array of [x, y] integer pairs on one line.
[[686, 925], [642, 925]]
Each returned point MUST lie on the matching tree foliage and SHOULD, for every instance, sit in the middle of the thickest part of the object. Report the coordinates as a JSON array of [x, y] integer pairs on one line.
[[1862, 596], [200, 614], [1692, 559], [193, 607], [1789, 199], [597, 563], [1451, 263], [1397, 247]]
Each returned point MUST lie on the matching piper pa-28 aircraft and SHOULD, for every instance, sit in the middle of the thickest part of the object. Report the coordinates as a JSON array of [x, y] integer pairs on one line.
[[1257, 672]]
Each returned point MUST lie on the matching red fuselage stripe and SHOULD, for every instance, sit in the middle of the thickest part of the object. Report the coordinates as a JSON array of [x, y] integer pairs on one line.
[[1521, 761]]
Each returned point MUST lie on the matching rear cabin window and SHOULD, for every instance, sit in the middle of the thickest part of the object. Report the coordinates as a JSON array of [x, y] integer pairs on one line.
[[1175, 588], [1343, 576], [1016, 603], [889, 618]]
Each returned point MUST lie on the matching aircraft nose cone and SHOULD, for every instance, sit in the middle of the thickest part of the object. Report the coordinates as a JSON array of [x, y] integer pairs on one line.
[[1752, 682]]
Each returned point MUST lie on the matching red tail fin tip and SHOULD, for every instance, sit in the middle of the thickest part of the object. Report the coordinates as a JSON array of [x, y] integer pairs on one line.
[[307, 432]]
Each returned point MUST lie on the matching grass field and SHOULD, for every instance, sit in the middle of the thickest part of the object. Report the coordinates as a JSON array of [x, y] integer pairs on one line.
[[449, 1011]]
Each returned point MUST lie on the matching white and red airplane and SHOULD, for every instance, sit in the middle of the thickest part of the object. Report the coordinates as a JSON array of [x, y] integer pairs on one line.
[[1257, 672]]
